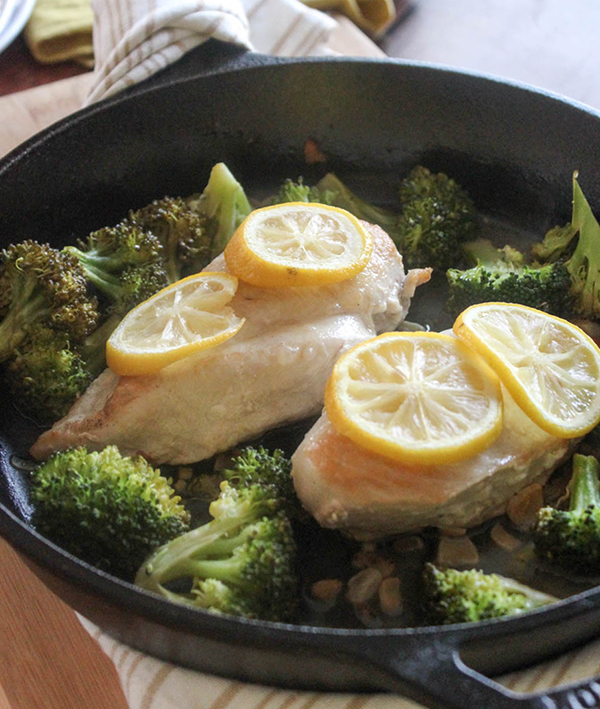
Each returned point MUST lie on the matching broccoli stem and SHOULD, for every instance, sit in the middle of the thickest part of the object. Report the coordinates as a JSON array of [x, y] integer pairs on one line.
[[93, 349], [533, 597], [584, 264], [227, 570], [97, 263], [585, 488], [177, 558], [12, 330], [11, 336], [97, 270], [224, 200], [341, 196], [225, 547]]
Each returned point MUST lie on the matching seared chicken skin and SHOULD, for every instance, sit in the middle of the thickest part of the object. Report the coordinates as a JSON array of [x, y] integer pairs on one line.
[[367, 496], [272, 372]]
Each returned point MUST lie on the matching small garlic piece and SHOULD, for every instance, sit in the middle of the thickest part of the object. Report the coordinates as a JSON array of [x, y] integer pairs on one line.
[[457, 551], [523, 507], [364, 585]]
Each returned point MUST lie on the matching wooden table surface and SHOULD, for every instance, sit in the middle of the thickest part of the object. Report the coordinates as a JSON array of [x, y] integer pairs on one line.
[[47, 660]]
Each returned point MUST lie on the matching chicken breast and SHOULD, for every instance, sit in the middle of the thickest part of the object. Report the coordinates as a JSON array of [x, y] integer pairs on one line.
[[348, 488], [272, 372]]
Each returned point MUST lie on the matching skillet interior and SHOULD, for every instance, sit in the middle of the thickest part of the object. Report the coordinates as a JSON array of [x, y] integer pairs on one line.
[[513, 149]]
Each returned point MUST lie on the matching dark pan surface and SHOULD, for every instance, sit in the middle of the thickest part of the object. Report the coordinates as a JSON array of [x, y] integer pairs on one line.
[[514, 149]]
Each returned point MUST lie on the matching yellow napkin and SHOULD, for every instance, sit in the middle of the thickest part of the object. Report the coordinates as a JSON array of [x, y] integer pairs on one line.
[[373, 16], [61, 30]]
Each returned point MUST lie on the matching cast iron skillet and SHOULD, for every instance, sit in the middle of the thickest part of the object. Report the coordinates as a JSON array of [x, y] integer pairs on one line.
[[514, 148]]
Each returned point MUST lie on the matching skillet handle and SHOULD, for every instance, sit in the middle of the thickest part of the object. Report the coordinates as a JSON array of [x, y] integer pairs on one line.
[[430, 671]]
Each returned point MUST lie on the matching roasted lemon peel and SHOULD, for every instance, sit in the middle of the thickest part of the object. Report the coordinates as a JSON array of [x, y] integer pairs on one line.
[[190, 315], [420, 398], [298, 244], [549, 365]]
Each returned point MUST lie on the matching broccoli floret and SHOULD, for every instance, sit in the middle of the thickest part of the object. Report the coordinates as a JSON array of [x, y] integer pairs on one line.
[[570, 538], [40, 285], [453, 596], [242, 562], [124, 263], [502, 275], [298, 191], [136, 284], [184, 234], [104, 508], [577, 244], [268, 477], [437, 217], [224, 203], [46, 375], [555, 245]]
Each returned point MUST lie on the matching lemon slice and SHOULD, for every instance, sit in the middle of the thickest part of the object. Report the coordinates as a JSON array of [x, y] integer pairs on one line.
[[298, 244], [416, 397], [550, 366], [187, 316]]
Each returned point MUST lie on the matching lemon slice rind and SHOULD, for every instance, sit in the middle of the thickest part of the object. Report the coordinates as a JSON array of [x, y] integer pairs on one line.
[[190, 315], [298, 244], [420, 398], [549, 365]]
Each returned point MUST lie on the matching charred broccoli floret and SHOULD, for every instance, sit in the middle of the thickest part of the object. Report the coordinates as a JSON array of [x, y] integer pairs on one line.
[[502, 275], [45, 375], [242, 562], [184, 234], [555, 245], [437, 217], [570, 538], [42, 286], [104, 508], [123, 262], [453, 596], [578, 245], [224, 204]]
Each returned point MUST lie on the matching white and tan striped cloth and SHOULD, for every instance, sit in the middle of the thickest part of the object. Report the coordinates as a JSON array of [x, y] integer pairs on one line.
[[134, 39], [151, 684]]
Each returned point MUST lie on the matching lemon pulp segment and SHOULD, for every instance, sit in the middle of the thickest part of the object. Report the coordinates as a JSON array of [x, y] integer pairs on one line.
[[419, 398], [187, 316], [549, 365], [298, 244]]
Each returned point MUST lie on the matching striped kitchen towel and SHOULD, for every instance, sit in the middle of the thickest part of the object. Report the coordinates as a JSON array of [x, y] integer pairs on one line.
[[134, 39], [151, 684]]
